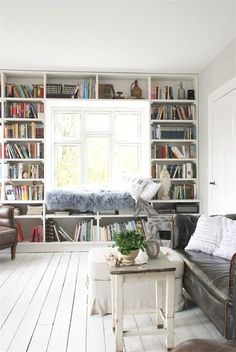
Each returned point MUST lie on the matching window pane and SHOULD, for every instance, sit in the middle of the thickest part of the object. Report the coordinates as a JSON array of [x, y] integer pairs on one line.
[[126, 159], [67, 126], [127, 126], [95, 121], [67, 165], [97, 159]]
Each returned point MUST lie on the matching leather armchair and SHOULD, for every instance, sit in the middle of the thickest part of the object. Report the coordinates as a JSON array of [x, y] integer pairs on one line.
[[8, 233], [202, 345]]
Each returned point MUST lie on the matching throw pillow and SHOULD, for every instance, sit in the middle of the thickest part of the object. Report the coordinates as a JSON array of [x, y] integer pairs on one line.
[[227, 245], [149, 191], [134, 184], [207, 234]]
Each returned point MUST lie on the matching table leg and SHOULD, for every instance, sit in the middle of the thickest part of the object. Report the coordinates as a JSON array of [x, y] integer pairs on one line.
[[170, 286], [113, 300], [159, 304], [119, 312]]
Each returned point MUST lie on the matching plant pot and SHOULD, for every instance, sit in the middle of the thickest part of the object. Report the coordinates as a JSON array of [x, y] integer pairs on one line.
[[153, 248], [129, 259]]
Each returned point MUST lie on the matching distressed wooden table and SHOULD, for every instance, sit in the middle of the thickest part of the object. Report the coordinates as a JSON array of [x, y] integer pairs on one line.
[[162, 272]]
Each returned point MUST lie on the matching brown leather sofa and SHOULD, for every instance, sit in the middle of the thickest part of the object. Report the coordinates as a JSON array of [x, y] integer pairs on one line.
[[8, 233], [210, 280], [201, 345]]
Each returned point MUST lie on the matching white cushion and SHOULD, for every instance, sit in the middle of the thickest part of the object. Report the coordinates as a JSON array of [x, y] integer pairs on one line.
[[227, 245], [207, 234], [149, 191], [134, 184]]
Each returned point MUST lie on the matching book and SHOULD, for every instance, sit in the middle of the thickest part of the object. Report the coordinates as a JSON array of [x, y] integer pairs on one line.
[[177, 153], [10, 192]]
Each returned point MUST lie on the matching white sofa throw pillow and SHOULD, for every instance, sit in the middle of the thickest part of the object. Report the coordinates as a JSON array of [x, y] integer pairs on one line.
[[207, 234], [150, 190], [227, 246]]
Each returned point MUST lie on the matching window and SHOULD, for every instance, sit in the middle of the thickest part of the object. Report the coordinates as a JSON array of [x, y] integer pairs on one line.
[[93, 145]]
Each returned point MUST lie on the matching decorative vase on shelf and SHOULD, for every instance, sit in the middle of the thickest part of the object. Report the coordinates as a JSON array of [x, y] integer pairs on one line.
[[165, 183], [181, 91], [135, 91]]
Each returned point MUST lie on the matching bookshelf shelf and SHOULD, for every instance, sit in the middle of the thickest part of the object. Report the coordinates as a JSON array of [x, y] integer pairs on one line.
[[173, 122], [175, 201], [15, 99], [173, 141]]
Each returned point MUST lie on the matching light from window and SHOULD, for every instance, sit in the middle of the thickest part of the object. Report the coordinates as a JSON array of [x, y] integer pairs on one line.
[[67, 126], [68, 165], [97, 150], [126, 159]]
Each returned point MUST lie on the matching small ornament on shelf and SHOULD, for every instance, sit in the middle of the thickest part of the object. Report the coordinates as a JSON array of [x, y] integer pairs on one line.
[[181, 91]]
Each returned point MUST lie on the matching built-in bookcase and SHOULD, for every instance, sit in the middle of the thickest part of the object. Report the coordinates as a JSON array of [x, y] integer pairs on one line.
[[173, 141]]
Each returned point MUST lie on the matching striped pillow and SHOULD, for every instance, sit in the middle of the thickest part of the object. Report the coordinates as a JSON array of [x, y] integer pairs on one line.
[[207, 235]]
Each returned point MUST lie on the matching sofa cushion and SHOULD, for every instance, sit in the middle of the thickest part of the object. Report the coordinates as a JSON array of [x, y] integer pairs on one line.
[[227, 245], [212, 271], [207, 234]]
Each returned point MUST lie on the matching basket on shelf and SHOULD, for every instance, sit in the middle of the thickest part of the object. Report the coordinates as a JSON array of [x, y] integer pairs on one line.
[[54, 90]]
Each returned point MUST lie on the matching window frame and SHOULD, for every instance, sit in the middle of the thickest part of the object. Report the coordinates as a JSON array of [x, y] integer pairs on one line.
[[83, 107]]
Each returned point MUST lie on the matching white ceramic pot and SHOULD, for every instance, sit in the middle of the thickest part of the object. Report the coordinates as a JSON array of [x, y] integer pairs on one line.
[[128, 259]]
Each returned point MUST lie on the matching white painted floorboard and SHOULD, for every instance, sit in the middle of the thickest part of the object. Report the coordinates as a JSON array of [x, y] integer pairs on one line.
[[43, 308]]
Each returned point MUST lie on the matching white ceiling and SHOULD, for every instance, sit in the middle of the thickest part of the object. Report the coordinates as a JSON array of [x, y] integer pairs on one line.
[[125, 35]]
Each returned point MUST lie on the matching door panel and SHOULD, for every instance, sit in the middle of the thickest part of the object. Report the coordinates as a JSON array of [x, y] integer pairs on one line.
[[223, 158]]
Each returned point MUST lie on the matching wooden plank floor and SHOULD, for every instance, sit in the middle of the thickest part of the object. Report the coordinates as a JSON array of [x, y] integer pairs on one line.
[[43, 307]]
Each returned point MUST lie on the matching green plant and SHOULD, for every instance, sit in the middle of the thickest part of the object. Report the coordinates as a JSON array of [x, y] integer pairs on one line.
[[128, 240]]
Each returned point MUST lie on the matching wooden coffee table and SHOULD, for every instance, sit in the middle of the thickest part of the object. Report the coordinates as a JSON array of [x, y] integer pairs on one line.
[[162, 272]]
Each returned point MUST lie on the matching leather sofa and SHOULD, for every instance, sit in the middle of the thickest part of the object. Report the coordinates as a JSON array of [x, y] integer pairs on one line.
[[210, 280], [8, 233], [203, 345]]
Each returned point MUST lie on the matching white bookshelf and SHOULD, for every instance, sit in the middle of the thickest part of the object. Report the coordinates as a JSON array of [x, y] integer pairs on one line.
[[91, 83]]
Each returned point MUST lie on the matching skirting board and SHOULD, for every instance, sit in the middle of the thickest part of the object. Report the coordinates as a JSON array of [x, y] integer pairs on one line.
[[29, 247]]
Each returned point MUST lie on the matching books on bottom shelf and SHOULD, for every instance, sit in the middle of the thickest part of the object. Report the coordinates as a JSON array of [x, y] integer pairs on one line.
[[37, 234], [86, 231]]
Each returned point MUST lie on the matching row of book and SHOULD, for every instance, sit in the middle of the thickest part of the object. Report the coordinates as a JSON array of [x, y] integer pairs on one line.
[[187, 170], [13, 90], [173, 132], [173, 112], [24, 110], [162, 92], [87, 231], [24, 151], [181, 191], [24, 130], [24, 192], [20, 170], [173, 152]]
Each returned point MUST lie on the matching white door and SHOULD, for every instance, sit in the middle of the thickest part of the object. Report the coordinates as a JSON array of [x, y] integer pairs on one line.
[[222, 158]]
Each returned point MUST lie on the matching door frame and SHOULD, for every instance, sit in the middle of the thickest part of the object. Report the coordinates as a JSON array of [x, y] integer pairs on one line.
[[225, 89]]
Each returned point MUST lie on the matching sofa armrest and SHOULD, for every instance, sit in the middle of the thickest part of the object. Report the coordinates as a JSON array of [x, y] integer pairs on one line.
[[7, 216], [232, 289], [183, 228]]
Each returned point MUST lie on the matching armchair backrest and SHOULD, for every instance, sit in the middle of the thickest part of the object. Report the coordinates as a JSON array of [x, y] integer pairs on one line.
[[7, 216]]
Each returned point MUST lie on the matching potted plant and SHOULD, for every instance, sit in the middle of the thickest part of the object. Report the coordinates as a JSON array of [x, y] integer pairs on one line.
[[129, 242]]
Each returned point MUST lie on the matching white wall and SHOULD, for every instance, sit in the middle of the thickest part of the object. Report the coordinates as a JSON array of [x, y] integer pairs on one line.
[[121, 35], [215, 74]]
